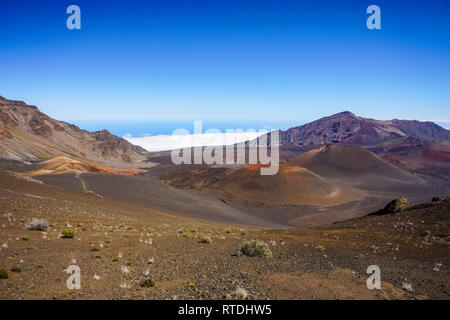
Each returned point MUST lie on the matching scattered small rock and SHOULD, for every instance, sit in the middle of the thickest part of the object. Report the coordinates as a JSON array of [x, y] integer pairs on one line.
[[37, 224]]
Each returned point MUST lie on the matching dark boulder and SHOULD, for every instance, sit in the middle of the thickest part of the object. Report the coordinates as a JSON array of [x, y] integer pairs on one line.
[[397, 205]]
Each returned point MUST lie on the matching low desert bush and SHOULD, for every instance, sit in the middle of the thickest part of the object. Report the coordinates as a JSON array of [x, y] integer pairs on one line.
[[205, 239], [67, 233], [148, 283], [187, 235], [407, 286], [255, 248], [3, 274], [37, 224], [185, 232], [16, 269], [241, 293]]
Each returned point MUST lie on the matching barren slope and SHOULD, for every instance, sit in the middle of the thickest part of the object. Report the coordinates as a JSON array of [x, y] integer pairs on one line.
[[112, 248], [292, 185], [359, 167], [63, 165], [347, 128], [28, 134]]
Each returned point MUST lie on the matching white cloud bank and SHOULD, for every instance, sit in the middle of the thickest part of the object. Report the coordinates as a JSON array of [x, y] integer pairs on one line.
[[171, 142]]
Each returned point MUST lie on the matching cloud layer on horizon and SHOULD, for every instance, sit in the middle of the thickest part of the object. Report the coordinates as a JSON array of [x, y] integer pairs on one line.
[[171, 142]]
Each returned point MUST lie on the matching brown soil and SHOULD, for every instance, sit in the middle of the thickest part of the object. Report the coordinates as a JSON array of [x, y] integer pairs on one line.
[[63, 165], [327, 262], [291, 185]]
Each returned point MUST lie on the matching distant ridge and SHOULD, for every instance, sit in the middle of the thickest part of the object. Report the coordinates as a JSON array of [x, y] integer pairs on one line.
[[347, 128], [27, 134]]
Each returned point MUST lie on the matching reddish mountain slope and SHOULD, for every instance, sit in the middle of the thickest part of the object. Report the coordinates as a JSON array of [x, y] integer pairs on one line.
[[347, 128], [63, 165], [28, 134], [292, 185]]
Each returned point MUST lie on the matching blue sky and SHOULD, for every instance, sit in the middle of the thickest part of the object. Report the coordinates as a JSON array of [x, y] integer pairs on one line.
[[246, 60]]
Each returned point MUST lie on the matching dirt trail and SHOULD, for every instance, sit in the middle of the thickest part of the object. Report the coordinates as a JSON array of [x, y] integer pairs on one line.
[[83, 186]]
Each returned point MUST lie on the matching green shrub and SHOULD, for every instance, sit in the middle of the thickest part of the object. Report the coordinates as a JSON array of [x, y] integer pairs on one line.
[[67, 233], [191, 285], [241, 293], [24, 239], [148, 283], [186, 234], [255, 248], [16, 269], [95, 249], [3, 274], [205, 239]]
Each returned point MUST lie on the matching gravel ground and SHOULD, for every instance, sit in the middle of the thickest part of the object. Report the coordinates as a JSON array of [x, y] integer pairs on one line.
[[118, 246]]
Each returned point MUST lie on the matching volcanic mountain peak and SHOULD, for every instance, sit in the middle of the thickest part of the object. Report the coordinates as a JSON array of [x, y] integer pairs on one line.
[[347, 128], [343, 114]]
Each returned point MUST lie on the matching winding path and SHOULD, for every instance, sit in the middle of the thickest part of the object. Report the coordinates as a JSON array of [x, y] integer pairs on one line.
[[83, 186]]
